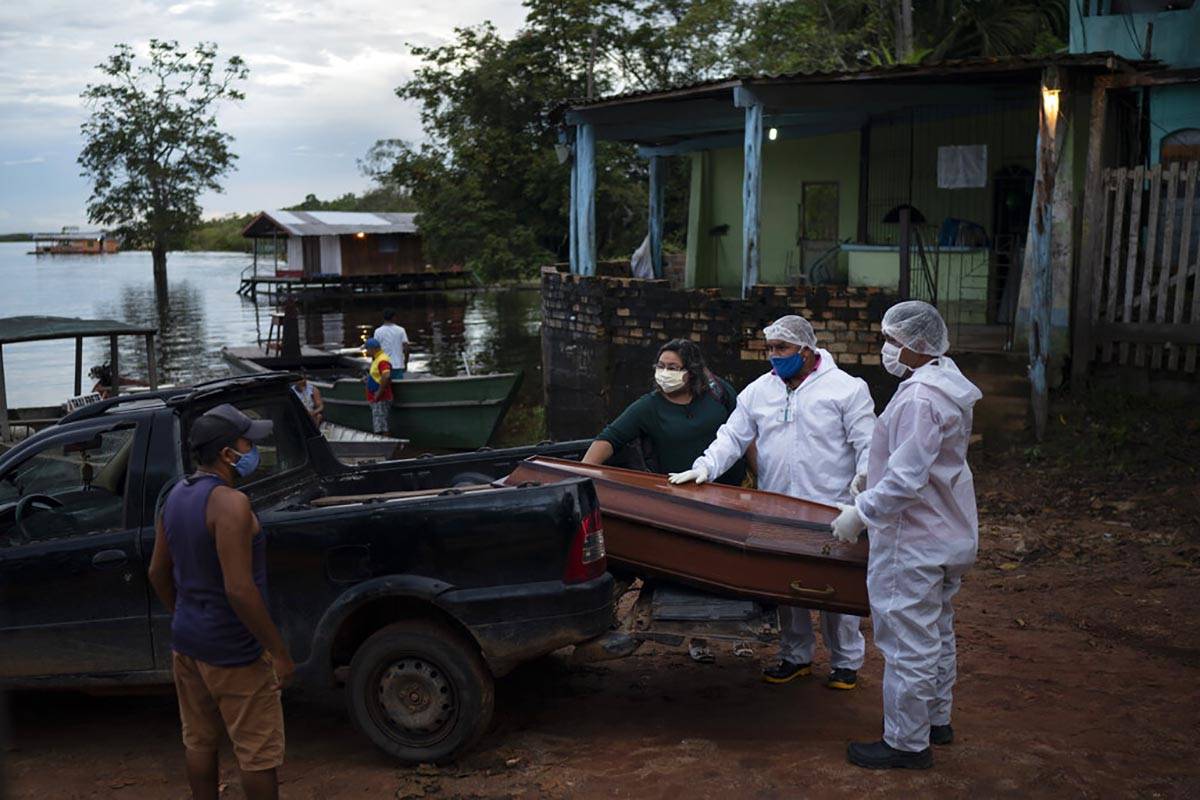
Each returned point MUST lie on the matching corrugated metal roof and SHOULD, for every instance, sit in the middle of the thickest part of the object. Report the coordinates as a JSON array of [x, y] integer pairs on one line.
[[335, 223], [962, 66]]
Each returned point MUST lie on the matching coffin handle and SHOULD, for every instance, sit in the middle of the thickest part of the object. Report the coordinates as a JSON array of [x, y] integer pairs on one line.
[[799, 589]]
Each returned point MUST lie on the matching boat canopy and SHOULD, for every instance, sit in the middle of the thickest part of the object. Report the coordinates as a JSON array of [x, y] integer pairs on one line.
[[32, 329], [35, 329]]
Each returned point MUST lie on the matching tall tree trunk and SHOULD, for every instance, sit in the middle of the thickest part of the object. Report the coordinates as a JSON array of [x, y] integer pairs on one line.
[[159, 255], [904, 30]]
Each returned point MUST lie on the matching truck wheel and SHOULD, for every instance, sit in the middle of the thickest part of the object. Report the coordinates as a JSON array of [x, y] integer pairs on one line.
[[420, 692]]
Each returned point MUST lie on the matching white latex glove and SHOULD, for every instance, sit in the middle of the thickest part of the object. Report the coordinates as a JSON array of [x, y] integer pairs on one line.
[[848, 525], [858, 484], [699, 475]]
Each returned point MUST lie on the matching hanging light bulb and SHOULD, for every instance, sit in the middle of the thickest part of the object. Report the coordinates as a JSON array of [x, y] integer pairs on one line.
[[773, 134]]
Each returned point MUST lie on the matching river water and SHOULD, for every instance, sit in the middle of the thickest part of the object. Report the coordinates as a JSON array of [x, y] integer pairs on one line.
[[489, 330]]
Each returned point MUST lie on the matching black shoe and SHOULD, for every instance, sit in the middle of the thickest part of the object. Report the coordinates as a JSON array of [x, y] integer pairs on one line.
[[941, 734], [881, 755], [785, 671], [842, 679]]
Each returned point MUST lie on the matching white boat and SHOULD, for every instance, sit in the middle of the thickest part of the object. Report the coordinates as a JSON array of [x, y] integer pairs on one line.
[[353, 446]]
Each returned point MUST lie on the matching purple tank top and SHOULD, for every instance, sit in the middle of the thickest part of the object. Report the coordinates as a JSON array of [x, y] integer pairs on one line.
[[205, 626]]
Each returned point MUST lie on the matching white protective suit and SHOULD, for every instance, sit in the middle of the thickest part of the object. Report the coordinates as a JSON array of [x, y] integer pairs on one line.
[[811, 442], [919, 509]]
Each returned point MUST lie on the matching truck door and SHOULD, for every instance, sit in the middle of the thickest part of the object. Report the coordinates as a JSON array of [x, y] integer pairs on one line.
[[73, 590]]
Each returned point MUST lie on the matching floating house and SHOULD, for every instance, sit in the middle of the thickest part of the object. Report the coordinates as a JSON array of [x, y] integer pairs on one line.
[[1016, 194], [336, 243], [72, 241]]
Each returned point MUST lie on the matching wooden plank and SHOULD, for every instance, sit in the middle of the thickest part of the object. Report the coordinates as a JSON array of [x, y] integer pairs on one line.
[[1149, 258], [1148, 332], [1090, 275], [1137, 186], [1121, 186], [1166, 259], [1185, 263]]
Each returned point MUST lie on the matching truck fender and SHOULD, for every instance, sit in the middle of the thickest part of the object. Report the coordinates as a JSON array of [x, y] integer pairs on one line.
[[318, 668]]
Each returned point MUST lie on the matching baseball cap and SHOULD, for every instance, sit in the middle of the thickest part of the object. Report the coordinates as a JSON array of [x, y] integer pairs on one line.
[[224, 423], [372, 342]]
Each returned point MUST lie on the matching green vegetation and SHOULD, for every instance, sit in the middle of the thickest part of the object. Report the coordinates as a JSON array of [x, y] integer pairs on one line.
[[151, 144], [492, 193]]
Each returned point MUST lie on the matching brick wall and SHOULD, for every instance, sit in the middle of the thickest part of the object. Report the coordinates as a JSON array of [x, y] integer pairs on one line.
[[600, 336]]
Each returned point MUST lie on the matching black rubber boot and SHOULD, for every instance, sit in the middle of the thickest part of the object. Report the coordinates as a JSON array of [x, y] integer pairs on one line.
[[842, 679], [881, 755], [785, 671], [941, 734]]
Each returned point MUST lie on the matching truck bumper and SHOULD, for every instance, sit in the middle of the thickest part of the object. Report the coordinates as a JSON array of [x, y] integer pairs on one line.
[[511, 625]]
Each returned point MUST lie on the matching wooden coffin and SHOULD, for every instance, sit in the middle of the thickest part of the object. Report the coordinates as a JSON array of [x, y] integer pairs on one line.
[[719, 538]]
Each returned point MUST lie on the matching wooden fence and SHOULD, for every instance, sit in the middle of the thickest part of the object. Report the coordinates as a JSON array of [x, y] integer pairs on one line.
[[1145, 306]]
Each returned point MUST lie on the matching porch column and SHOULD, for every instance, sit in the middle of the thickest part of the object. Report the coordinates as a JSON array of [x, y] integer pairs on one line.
[[751, 188], [1051, 115], [657, 195], [1091, 240], [585, 164], [573, 241]]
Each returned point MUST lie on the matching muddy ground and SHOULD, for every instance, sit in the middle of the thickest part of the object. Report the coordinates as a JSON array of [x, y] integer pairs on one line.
[[1079, 676]]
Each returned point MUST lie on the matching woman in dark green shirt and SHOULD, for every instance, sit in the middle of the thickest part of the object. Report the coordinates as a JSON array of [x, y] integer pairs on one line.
[[678, 420]]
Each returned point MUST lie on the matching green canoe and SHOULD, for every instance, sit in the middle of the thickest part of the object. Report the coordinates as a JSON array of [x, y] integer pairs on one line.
[[460, 413]]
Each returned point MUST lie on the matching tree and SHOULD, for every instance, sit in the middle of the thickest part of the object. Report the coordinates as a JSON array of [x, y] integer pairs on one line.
[[152, 145]]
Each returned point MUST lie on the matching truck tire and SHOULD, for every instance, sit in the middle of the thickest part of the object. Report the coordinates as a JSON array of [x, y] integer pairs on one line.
[[420, 691]]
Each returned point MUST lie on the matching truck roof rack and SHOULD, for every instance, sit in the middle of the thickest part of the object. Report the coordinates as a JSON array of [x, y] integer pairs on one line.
[[179, 395]]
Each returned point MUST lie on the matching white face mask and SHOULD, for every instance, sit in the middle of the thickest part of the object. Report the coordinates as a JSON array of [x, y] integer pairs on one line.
[[670, 381], [890, 355]]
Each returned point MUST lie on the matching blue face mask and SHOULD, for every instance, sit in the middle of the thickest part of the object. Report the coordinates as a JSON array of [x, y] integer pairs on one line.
[[247, 462], [786, 368]]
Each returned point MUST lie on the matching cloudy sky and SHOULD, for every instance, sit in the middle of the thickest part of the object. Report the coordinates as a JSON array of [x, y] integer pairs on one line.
[[320, 92]]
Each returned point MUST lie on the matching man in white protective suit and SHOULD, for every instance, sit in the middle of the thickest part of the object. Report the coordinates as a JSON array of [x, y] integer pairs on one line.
[[919, 512], [811, 423]]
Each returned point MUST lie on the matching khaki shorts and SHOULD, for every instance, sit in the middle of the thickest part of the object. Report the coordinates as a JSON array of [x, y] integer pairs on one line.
[[243, 701]]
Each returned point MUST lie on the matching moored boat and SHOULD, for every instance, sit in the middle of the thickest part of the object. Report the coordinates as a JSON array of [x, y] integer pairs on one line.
[[456, 413], [723, 539], [462, 412]]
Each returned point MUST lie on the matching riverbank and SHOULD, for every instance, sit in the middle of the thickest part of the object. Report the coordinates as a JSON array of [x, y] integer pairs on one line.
[[1078, 662]]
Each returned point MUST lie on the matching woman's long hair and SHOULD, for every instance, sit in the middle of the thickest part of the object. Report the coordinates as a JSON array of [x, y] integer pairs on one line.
[[693, 362]]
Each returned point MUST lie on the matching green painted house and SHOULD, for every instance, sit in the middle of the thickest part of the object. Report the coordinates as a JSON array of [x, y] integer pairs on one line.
[[1167, 31]]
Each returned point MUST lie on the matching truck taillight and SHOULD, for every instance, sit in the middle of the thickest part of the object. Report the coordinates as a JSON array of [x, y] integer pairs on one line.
[[586, 560]]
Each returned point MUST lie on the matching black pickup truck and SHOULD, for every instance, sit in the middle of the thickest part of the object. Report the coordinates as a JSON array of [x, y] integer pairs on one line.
[[394, 580]]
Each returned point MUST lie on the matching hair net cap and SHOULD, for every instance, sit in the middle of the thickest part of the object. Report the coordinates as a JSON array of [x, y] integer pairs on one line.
[[918, 326], [794, 329]]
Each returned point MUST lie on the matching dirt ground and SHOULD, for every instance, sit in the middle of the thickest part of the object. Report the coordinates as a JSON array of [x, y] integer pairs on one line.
[[1079, 676]]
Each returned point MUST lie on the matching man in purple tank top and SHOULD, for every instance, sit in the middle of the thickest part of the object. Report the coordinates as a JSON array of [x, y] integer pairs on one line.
[[209, 569]]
